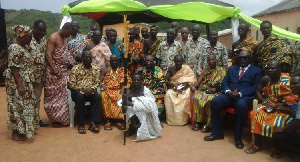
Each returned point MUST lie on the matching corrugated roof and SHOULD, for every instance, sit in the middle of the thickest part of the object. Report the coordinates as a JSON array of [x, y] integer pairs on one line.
[[283, 6]]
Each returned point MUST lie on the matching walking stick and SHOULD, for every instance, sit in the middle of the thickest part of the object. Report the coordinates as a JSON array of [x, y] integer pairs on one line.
[[124, 104]]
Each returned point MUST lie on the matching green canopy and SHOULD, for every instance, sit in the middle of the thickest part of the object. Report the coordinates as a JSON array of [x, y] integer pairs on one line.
[[109, 11], [195, 11]]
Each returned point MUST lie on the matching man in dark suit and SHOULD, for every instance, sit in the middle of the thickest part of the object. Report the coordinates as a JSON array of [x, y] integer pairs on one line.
[[238, 88]]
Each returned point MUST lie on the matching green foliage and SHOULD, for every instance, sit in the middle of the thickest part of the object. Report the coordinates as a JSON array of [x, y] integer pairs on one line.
[[53, 20]]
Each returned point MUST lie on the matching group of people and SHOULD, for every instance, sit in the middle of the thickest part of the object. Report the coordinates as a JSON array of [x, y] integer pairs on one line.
[[180, 78]]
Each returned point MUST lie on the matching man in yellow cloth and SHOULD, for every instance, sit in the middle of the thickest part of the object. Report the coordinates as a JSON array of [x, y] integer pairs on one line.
[[177, 99], [277, 101], [112, 82]]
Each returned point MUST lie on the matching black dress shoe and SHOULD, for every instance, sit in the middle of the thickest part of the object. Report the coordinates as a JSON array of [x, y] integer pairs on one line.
[[239, 144], [213, 137], [43, 124]]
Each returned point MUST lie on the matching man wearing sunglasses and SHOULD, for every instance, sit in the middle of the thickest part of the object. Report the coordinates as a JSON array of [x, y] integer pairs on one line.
[[238, 89]]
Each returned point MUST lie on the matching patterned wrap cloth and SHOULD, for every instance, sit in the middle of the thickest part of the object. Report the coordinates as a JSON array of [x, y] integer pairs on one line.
[[247, 44], [178, 103], [154, 48], [55, 90], [101, 56], [118, 49], [296, 60], [273, 48], [221, 56], [114, 81], [135, 50], [155, 81], [263, 123], [201, 101]]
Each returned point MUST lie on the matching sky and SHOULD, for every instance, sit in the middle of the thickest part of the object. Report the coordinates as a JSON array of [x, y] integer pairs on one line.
[[248, 7]]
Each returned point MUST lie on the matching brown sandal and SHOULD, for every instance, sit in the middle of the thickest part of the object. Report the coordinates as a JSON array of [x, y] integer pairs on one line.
[[195, 127], [107, 126], [94, 128], [120, 126], [81, 130], [252, 149]]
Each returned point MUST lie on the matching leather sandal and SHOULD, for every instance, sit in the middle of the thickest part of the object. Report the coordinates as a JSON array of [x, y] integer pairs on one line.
[[20, 137], [81, 130], [120, 126], [195, 127], [252, 149], [205, 129], [107, 126], [94, 128]]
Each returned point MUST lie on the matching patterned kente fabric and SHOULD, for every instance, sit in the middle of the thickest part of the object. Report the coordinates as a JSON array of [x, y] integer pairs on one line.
[[39, 49], [248, 44], [135, 50], [114, 81], [167, 53], [193, 52], [55, 89], [22, 113], [264, 123], [118, 49], [273, 48], [154, 48], [82, 77], [211, 78], [77, 45], [155, 81]]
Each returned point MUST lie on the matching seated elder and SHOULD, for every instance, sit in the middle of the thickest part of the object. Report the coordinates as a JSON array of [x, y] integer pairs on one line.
[[83, 82], [177, 99], [238, 88], [209, 83], [142, 111], [153, 78], [276, 98]]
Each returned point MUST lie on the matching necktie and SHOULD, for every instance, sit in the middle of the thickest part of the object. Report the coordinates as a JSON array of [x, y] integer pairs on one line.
[[242, 73]]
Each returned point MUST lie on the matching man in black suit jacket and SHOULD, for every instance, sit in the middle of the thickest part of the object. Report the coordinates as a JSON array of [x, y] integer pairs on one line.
[[238, 88]]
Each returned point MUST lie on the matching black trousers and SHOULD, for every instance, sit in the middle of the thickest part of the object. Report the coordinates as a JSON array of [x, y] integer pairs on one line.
[[240, 107], [95, 104]]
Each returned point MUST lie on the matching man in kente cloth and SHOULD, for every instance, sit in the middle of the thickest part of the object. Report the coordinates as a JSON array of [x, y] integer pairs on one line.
[[112, 83], [272, 47], [244, 43], [135, 51], [152, 43], [153, 78], [101, 52], [115, 45], [276, 98], [142, 111], [177, 99], [55, 89]]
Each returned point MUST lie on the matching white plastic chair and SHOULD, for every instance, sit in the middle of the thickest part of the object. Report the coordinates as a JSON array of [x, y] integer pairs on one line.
[[72, 106]]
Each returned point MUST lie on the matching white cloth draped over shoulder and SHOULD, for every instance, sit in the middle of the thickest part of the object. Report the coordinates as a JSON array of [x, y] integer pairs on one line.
[[145, 108]]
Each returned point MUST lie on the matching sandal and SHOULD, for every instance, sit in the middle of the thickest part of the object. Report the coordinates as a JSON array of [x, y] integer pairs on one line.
[[120, 126], [20, 137], [94, 128], [56, 125], [14, 135], [276, 154], [205, 129], [252, 149], [81, 130], [195, 127], [107, 126]]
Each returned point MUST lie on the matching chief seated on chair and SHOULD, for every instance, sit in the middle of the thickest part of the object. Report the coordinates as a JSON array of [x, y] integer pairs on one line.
[[238, 89], [177, 99], [83, 82], [276, 98]]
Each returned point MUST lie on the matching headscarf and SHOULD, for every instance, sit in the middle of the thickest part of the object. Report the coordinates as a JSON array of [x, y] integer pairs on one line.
[[22, 30]]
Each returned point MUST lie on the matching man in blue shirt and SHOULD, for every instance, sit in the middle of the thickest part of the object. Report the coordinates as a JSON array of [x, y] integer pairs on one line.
[[290, 135]]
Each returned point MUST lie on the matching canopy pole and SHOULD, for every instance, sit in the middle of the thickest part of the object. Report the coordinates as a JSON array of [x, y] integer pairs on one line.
[[207, 30], [124, 96]]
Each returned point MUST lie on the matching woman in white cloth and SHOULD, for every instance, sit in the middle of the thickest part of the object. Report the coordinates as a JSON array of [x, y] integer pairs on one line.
[[142, 111]]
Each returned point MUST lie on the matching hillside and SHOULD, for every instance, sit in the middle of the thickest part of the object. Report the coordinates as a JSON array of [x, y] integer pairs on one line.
[[53, 21]]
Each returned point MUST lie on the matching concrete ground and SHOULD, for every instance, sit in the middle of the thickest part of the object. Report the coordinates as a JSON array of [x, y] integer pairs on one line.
[[179, 143]]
